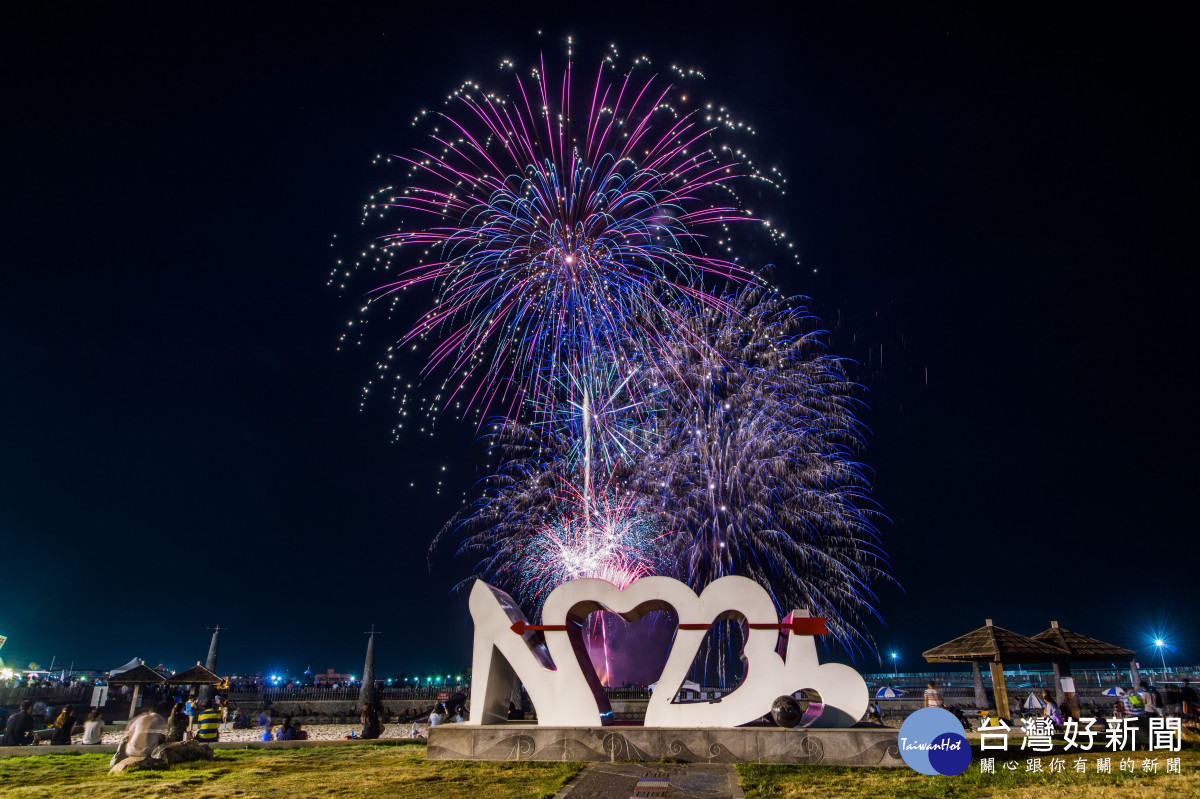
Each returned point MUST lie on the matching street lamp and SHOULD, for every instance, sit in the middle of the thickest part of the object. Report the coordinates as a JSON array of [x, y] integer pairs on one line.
[[894, 656], [1160, 643]]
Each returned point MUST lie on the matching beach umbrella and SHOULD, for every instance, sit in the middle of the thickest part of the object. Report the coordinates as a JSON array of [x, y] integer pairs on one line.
[[1034, 702], [1114, 691], [888, 692]]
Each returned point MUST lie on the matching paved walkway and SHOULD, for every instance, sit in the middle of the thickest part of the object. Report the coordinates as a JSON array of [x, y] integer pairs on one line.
[[654, 781]]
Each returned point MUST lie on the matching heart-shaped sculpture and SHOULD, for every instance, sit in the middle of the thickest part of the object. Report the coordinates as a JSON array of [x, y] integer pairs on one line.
[[548, 658]]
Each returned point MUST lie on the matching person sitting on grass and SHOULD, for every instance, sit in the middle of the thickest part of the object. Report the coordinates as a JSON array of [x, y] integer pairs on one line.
[[177, 724], [19, 730], [63, 726], [144, 734], [206, 723], [93, 728]]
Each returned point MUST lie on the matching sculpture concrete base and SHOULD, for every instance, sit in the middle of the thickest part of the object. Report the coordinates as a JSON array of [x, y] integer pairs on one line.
[[858, 746]]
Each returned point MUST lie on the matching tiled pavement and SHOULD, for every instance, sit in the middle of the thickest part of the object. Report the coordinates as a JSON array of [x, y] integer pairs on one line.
[[654, 781]]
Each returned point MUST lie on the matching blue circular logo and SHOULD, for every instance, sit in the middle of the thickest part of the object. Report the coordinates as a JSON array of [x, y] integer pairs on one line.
[[932, 742]]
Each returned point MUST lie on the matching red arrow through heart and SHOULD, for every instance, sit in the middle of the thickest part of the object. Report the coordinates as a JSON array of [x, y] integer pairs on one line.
[[795, 625]]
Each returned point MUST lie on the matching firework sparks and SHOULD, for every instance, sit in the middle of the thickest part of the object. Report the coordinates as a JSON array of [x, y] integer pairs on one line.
[[572, 234], [563, 219], [754, 465]]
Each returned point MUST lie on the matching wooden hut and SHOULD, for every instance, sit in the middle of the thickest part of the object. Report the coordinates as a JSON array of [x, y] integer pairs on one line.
[[196, 675], [1083, 649], [137, 677], [995, 646]]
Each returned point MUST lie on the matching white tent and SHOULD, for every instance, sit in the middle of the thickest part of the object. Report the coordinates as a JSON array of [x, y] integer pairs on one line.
[[133, 664]]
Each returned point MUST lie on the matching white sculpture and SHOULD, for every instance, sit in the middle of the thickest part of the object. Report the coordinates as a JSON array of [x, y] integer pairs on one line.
[[547, 658]]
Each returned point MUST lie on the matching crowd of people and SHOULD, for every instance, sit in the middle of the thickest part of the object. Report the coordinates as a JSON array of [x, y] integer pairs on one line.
[[1131, 702], [21, 728], [34, 680]]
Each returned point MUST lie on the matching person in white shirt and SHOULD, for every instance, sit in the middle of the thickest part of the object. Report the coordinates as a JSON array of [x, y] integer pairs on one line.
[[147, 731], [93, 728]]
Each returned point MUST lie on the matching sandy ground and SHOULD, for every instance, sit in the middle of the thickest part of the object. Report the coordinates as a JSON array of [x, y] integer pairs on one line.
[[316, 732]]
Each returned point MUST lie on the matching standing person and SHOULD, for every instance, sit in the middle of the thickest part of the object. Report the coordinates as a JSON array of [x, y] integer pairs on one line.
[[189, 713], [19, 730], [1050, 710], [370, 721], [933, 697], [1147, 699], [206, 724], [1188, 700], [226, 716], [264, 725], [93, 728], [1156, 698], [63, 726]]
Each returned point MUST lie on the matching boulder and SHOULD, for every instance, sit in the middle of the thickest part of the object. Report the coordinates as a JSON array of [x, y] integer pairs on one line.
[[165, 756], [136, 763], [185, 752]]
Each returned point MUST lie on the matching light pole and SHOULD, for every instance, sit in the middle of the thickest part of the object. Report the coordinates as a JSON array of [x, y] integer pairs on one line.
[[1160, 643], [894, 656]]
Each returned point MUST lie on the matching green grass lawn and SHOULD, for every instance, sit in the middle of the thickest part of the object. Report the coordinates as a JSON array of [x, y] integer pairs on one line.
[[794, 782], [349, 772], [402, 771]]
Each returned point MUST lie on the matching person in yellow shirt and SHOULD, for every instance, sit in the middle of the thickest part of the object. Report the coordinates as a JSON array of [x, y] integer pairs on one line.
[[207, 723]]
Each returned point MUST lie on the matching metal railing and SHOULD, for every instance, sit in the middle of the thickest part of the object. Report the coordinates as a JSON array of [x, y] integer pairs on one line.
[[319, 694]]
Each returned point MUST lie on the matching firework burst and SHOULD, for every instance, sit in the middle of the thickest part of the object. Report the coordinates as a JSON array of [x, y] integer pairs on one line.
[[754, 465], [562, 219], [656, 409], [608, 537]]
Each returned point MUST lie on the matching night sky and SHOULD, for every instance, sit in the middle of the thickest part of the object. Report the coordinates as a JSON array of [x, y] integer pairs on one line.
[[1000, 208]]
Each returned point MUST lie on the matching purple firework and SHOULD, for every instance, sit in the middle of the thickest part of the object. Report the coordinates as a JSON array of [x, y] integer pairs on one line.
[[561, 220]]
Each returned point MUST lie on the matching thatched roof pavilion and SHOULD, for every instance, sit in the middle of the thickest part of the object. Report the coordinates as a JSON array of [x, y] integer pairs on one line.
[[994, 645], [196, 675], [1080, 647], [138, 675]]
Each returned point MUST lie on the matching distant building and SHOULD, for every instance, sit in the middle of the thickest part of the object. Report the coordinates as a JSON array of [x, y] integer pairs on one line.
[[330, 677]]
